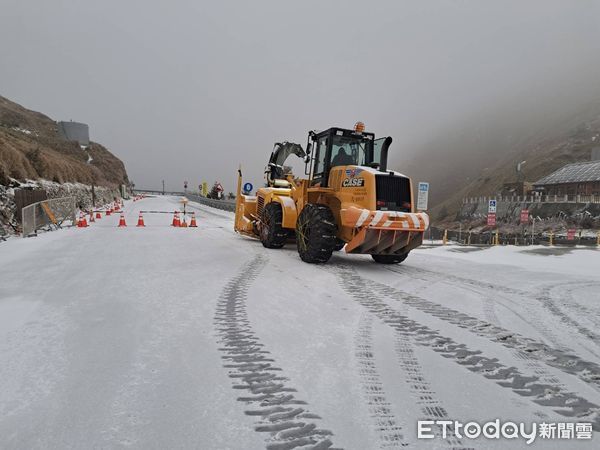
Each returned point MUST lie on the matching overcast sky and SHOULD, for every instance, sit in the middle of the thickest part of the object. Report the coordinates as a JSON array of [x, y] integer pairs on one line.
[[187, 89]]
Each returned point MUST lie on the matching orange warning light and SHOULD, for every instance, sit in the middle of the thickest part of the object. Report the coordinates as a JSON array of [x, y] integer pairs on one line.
[[359, 127]]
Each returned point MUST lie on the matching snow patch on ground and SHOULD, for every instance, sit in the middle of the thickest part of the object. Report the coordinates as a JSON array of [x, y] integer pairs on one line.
[[141, 337]]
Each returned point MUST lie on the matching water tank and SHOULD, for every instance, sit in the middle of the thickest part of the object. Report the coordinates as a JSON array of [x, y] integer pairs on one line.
[[75, 131]]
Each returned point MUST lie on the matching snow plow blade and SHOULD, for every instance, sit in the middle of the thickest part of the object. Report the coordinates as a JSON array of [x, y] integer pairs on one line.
[[384, 232]]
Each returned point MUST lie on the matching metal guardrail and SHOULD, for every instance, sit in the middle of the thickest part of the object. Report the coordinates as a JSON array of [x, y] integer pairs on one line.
[[580, 198], [157, 192], [225, 205]]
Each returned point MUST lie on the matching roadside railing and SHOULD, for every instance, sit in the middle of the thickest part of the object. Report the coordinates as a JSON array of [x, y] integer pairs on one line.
[[225, 205], [535, 199], [47, 214]]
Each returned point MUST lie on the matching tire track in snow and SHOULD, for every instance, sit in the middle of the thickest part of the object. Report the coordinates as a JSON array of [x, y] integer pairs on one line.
[[589, 313], [544, 296], [478, 286], [455, 279], [491, 317], [385, 423], [546, 299], [561, 359], [286, 419], [565, 403], [431, 407], [426, 399]]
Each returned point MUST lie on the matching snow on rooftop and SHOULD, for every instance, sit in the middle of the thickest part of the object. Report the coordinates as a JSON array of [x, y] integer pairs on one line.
[[573, 173]]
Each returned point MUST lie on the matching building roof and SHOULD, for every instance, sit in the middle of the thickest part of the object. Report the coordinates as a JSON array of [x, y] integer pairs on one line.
[[573, 173]]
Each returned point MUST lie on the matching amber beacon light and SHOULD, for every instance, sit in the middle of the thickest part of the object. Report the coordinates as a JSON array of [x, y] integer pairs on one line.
[[359, 127]]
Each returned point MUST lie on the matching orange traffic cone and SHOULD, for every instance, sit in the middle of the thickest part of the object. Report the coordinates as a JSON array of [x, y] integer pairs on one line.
[[98, 215], [183, 223], [140, 221], [122, 221], [176, 222], [82, 222], [193, 222], [109, 211]]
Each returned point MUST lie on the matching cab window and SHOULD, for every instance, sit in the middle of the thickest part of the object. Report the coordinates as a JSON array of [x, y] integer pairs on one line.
[[348, 151], [319, 160]]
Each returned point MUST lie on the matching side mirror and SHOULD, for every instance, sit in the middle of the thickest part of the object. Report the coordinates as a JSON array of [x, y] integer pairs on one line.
[[308, 151]]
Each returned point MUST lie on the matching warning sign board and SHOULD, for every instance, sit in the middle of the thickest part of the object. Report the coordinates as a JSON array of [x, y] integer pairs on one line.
[[524, 216], [492, 206], [491, 219], [571, 234]]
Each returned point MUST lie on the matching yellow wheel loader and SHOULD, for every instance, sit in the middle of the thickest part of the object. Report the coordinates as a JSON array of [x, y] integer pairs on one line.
[[349, 199]]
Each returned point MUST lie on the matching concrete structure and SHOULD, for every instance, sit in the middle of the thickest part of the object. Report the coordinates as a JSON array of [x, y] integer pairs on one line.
[[75, 131]]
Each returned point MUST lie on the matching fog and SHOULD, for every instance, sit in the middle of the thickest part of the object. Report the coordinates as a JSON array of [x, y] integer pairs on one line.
[[186, 90]]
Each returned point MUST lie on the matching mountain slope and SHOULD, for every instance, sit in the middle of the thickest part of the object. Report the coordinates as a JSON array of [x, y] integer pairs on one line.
[[479, 158], [31, 148]]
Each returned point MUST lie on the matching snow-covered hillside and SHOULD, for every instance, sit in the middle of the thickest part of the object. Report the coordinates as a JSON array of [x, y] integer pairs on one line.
[[163, 337]]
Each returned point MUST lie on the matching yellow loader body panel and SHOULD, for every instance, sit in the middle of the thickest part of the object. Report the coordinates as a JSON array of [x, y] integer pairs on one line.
[[364, 228]]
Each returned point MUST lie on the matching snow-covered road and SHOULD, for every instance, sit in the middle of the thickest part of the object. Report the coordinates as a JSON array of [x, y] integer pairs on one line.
[[164, 337]]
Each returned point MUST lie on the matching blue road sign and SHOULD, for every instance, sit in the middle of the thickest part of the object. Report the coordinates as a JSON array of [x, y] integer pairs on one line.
[[248, 187]]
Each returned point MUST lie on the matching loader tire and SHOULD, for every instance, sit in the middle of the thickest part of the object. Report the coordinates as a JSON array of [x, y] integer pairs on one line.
[[389, 259], [315, 233], [339, 244], [272, 234]]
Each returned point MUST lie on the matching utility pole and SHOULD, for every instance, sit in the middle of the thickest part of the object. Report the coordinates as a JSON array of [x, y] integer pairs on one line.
[[163, 182]]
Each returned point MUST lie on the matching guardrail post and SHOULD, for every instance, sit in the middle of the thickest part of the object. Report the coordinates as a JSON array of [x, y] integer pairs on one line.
[[445, 238]]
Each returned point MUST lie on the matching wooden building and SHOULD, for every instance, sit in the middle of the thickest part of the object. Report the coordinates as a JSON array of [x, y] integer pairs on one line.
[[582, 178]]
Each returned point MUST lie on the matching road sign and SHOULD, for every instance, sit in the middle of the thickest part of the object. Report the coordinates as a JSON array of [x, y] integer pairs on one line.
[[219, 187], [423, 196], [492, 206], [204, 188], [571, 234], [524, 216], [491, 219], [248, 188]]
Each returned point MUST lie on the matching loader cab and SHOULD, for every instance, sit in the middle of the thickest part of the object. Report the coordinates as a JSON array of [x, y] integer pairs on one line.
[[341, 147]]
